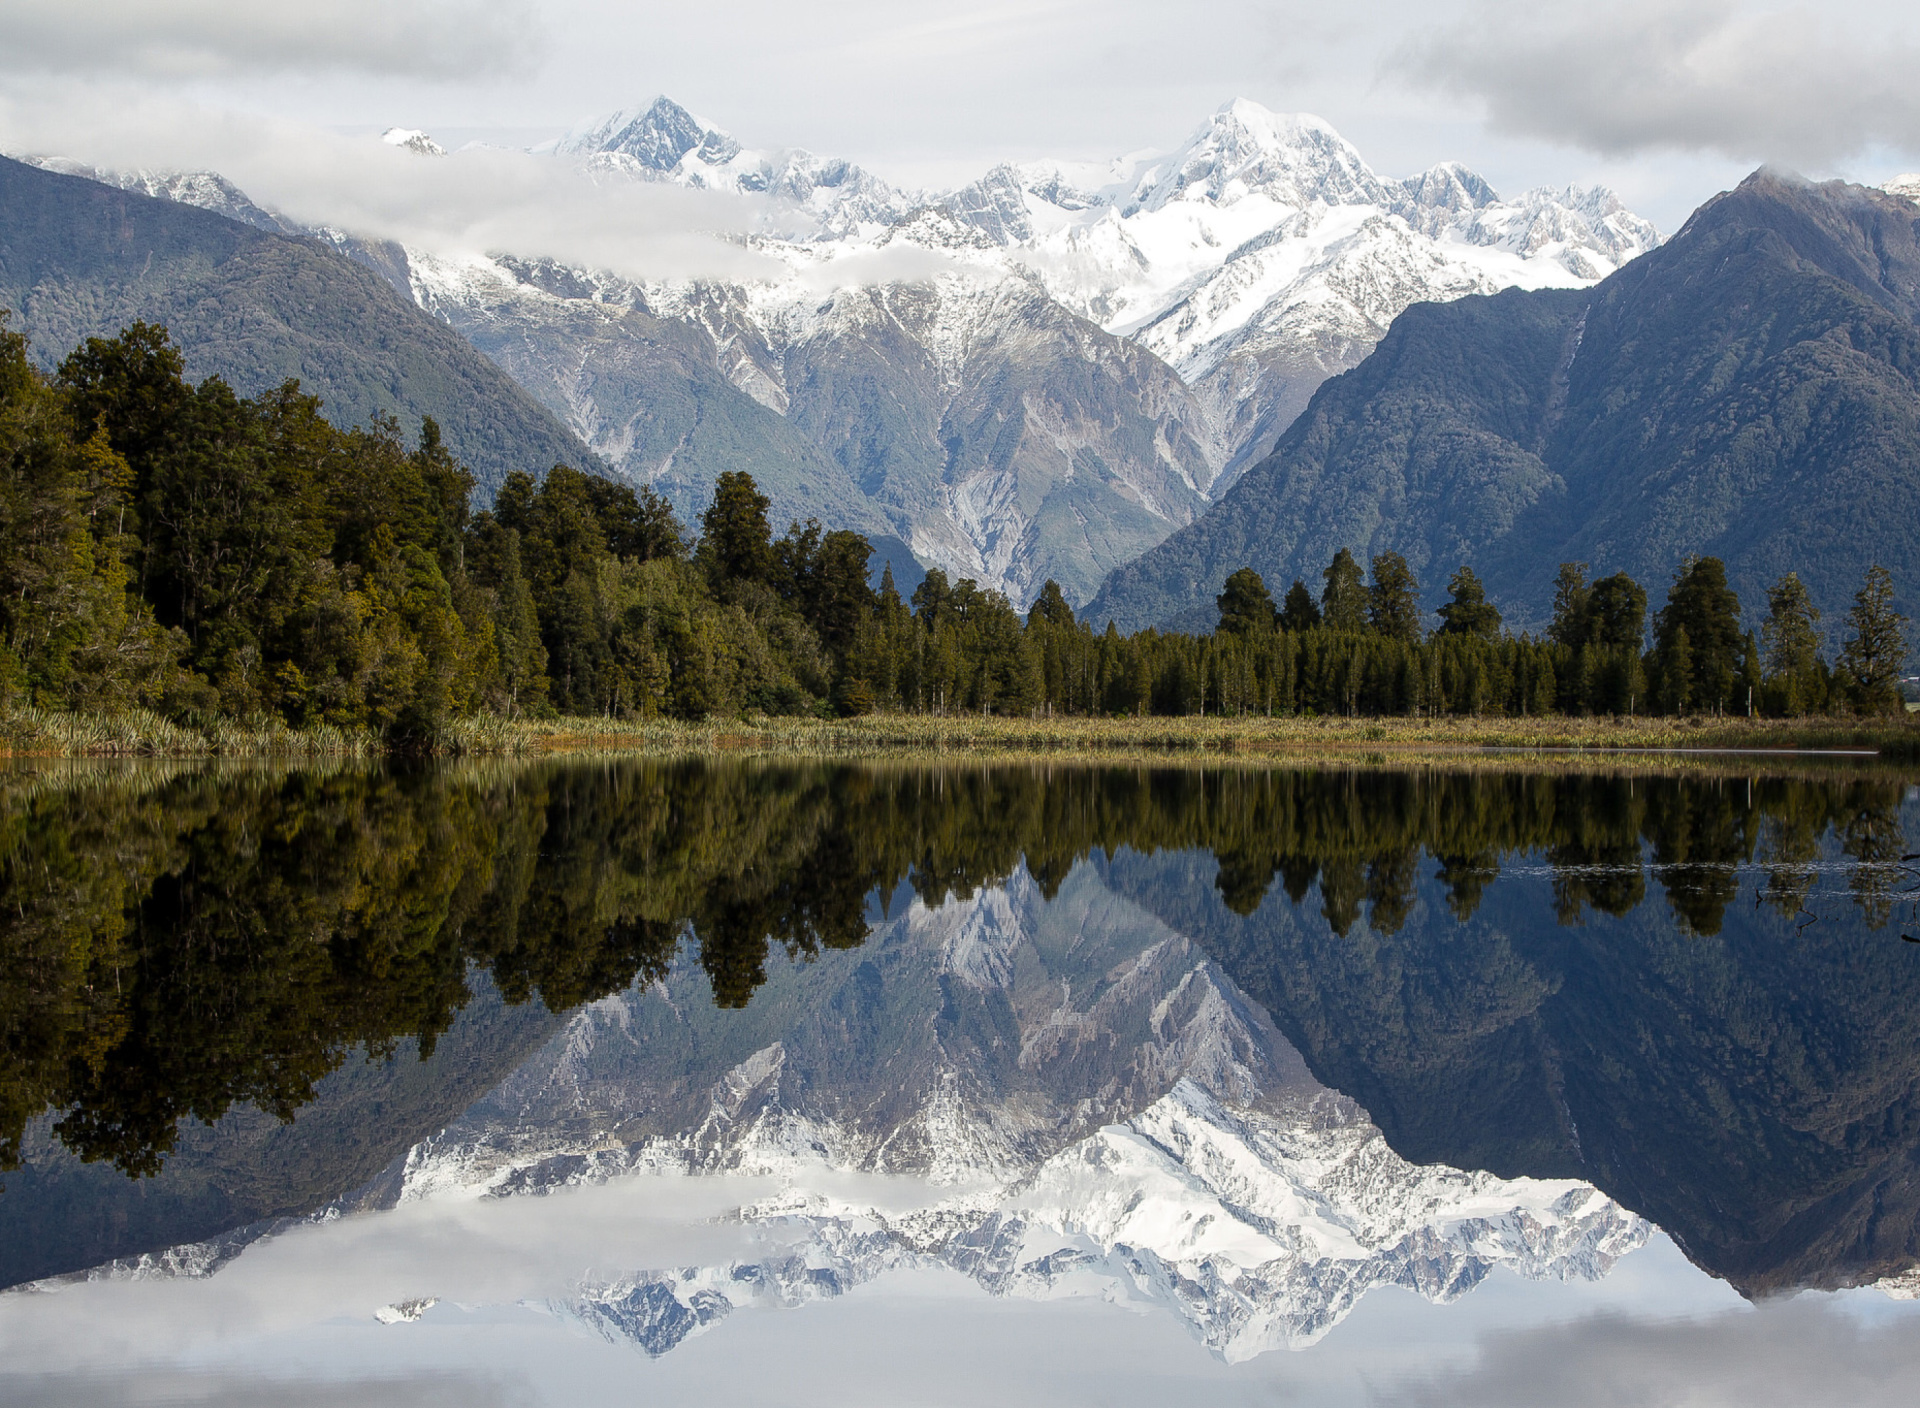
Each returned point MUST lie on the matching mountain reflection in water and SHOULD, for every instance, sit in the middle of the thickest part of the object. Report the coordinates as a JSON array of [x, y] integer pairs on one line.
[[1240, 1042]]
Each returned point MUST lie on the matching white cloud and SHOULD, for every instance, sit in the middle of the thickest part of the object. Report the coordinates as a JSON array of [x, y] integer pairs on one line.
[[1784, 83], [1780, 1355], [476, 202], [197, 38], [152, 1388]]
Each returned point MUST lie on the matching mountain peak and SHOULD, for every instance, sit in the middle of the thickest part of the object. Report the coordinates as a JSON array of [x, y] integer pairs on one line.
[[658, 137], [413, 139], [1245, 149], [1273, 129]]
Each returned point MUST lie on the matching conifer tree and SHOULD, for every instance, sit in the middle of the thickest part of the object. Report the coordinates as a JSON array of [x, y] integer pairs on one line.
[[1616, 613], [1469, 613], [1571, 601], [1246, 607], [1393, 601], [1791, 638], [735, 540], [1343, 602], [1301, 612], [1702, 605], [1874, 654]]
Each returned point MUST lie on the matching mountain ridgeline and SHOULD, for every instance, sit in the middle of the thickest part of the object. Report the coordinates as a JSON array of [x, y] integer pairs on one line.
[[1750, 391], [81, 259]]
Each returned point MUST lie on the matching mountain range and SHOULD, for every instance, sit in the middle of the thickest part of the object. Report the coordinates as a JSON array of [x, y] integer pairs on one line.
[[1136, 377], [1750, 390], [1083, 359]]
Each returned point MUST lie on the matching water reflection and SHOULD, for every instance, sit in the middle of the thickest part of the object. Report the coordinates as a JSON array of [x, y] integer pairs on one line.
[[1240, 1044]]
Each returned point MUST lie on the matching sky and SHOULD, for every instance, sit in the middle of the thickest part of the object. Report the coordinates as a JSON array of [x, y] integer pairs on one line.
[[1666, 102], [290, 1323]]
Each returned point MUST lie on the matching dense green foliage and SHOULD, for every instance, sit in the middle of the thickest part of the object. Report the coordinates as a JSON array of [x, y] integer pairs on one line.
[[1749, 391], [206, 555], [256, 308]]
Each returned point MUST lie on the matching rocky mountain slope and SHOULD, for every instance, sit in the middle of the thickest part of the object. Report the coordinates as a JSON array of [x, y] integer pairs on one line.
[[1747, 391], [80, 258], [1100, 352], [1070, 361]]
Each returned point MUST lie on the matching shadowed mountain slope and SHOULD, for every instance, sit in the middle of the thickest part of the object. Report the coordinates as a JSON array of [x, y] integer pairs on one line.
[[79, 259], [1750, 390]]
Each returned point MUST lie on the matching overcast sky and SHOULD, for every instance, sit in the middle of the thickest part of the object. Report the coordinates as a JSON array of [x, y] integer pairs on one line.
[[1668, 102]]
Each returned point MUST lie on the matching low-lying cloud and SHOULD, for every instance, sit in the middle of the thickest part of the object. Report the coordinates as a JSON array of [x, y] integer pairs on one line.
[[473, 203], [203, 38], [1789, 83]]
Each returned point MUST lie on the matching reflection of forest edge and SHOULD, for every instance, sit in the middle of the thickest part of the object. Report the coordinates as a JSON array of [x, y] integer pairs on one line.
[[177, 942]]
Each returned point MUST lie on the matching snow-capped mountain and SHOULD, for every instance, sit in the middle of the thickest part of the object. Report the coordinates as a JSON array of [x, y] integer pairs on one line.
[[1260, 257], [1073, 1101], [205, 190], [1907, 186], [665, 142], [1041, 374], [413, 140]]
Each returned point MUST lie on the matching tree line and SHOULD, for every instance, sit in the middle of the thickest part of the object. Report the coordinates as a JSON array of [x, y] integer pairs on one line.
[[185, 549]]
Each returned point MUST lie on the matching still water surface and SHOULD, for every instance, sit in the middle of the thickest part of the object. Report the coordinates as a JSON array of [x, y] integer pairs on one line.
[[659, 1082]]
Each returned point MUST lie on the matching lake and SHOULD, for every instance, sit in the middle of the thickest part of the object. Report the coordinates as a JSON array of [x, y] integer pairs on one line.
[[1472, 1081]]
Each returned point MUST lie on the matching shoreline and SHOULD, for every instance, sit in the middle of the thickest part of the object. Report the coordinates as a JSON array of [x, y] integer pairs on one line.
[[1889, 739]]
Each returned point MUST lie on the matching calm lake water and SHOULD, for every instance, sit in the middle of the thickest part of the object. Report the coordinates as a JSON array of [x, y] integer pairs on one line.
[[804, 1084]]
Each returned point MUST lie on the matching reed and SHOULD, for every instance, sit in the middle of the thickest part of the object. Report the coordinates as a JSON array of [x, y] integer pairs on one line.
[[144, 734]]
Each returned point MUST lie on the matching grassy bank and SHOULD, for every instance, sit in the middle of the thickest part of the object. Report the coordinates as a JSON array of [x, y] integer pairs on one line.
[[149, 735]]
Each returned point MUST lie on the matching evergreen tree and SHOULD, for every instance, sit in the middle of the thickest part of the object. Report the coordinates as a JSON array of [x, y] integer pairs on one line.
[[1702, 605], [735, 541], [1791, 637], [1246, 607], [1049, 608], [1874, 654], [1616, 613], [1572, 597], [1469, 613], [1676, 672], [1301, 612], [1393, 601], [1343, 602]]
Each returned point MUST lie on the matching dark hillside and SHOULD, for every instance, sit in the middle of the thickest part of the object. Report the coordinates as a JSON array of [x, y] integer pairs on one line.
[[79, 259], [1750, 390]]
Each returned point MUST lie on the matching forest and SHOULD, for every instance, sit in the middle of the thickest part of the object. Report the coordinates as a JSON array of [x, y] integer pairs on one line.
[[185, 550]]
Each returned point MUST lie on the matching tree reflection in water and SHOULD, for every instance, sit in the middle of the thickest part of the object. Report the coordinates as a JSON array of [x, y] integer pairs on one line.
[[173, 943]]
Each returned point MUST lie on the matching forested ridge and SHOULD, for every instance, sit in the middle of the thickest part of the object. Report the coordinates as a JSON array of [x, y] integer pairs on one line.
[[186, 550]]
